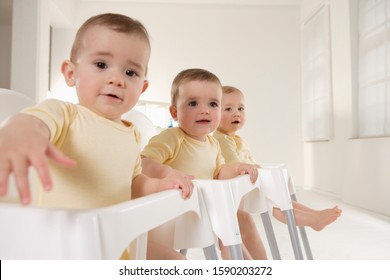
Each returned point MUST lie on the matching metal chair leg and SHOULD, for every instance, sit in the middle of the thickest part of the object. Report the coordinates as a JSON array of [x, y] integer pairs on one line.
[[306, 244], [269, 232], [210, 253], [236, 252], [293, 234], [304, 238]]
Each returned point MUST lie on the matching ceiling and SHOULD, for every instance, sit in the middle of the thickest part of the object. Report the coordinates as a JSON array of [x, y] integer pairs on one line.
[[237, 2], [6, 5]]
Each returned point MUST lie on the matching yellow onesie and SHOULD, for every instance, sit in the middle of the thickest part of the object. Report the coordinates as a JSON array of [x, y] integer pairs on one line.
[[106, 152], [234, 149], [175, 148]]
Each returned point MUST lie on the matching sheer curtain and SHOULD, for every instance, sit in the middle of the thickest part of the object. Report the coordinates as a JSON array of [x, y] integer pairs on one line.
[[316, 77], [374, 68]]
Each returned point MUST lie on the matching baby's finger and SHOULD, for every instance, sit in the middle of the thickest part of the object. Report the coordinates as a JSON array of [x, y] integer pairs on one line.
[[190, 187], [42, 168], [20, 169], [54, 154], [5, 172]]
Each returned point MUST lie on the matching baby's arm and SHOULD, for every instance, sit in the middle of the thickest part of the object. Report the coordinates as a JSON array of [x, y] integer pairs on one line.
[[24, 142], [232, 170], [153, 168], [143, 185], [161, 177]]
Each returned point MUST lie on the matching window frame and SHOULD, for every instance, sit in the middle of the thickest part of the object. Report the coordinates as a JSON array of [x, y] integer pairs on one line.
[[317, 100]]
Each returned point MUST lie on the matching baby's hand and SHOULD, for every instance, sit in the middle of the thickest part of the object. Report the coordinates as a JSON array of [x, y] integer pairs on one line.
[[250, 169], [24, 144], [179, 180]]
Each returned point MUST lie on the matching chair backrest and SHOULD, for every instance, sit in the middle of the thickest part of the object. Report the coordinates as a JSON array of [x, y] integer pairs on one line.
[[143, 123], [12, 102], [54, 233], [273, 180]]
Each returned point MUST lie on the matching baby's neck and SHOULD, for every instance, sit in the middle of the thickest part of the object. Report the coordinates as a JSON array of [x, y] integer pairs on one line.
[[231, 134], [201, 138]]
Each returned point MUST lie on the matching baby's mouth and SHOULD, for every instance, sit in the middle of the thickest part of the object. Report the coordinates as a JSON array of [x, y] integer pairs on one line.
[[236, 122], [113, 96], [203, 121]]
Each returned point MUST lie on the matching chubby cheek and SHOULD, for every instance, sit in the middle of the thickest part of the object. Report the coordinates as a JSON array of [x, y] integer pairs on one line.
[[243, 120], [184, 114], [217, 118], [85, 84]]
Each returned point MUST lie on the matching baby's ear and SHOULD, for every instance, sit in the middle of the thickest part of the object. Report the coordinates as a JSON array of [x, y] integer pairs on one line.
[[67, 69], [173, 111], [145, 86]]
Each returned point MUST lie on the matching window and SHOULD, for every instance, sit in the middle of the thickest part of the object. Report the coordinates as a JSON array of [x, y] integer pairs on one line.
[[373, 101], [157, 112], [316, 77]]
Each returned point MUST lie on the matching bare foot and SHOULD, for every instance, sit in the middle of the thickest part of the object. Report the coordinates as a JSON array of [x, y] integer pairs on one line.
[[324, 217]]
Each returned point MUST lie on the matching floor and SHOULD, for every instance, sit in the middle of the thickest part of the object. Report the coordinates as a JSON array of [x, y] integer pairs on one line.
[[357, 235]]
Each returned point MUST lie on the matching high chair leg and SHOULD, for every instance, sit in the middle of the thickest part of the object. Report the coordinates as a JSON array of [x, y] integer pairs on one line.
[[304, 238], [292, 229], [269, 232], [236, 252], [210, 252], [306, 244]]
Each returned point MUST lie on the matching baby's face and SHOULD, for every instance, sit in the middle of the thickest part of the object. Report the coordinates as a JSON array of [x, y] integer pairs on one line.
[[109, 72], [233, 113], [198, 108]]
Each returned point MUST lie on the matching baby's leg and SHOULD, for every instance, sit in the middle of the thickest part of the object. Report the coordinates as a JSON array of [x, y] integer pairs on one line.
[[250, 236], [300, 206], [224, 251], [313, 218], [157, 251]]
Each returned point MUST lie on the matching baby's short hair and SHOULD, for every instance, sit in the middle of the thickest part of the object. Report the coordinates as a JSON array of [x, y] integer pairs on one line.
[[116, 22], [231, 89], [193, 74]]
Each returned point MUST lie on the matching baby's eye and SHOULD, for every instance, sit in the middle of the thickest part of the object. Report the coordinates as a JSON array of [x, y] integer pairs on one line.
[[228, 109], [101, 65], [192, 103], [241, 109], [131, 73], [214, 104]]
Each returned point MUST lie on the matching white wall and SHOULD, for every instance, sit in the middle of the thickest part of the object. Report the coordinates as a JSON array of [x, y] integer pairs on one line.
[[255, 48], [31, 22], [353, 169]]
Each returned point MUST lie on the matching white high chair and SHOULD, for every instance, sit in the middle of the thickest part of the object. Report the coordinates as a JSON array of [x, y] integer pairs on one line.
[[276, 184], [143, 123], [302, 230], [185, 231], [218, 199], [255, 202], [104, 233], [222, 200], [12, 102]]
